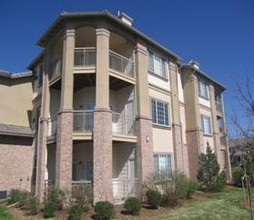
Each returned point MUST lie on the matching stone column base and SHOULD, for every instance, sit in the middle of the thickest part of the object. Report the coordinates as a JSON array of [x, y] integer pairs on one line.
[[102, 155], [144, 151], [193, 141], [64, 150], [41, 158]]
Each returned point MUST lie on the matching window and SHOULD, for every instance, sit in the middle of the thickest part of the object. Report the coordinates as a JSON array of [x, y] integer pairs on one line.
[[162, 164], [160, 112], [156, 64], [206, 124], [203, 89]]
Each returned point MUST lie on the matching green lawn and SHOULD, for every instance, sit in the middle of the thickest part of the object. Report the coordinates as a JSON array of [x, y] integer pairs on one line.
[[223, 205], [5, 214]]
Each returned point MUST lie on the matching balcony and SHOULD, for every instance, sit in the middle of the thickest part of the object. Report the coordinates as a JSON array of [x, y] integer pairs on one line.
[[124, 188], [121, 64], [83, 121], [85, 57], [122, 124]]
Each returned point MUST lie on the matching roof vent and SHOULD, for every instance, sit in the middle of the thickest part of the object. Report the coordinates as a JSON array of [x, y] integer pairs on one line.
[[125, 18], [194, 64]]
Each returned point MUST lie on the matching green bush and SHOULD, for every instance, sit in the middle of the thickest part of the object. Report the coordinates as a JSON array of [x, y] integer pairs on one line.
[[32, 204], [133, 205], [83, 194], [14, 196], [23, 198], [75, 212], [153, 198], [55, 196], [104, 210], [209, 175], [192, 186], [237, 174], [49, 210]]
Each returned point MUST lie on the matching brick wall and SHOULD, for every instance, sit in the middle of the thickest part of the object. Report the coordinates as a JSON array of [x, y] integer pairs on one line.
[[16, 163]]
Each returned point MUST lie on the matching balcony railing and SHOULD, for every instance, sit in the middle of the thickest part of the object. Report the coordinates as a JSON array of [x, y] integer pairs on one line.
[[124, 188], [121, 64], [82, 121], [56, 68], [84, 57], [122, 124], [52, 126]]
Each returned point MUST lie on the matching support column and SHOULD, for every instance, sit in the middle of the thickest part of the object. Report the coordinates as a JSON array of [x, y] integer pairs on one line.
[[194, 135], [64, 144], [42, 132], [144, 130], [216, 132], [180, 151], [102, 131]]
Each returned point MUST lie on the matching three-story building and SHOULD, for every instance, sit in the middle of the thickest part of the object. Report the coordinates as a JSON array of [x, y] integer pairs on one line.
[[111, 107]]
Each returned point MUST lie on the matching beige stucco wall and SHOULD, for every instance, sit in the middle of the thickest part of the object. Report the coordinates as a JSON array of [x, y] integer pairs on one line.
[[205, 102], [162, 136], [183, 123], [16, 101]]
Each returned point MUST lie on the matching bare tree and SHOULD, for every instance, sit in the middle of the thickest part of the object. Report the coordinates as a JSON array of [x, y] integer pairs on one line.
[[245, 96]]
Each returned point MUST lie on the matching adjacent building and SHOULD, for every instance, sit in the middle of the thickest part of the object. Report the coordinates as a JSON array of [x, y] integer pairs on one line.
[[106, 105]]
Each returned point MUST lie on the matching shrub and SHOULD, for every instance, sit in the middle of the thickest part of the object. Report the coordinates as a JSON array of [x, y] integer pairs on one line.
[[49, 210], [14, 196], [23, 198], [153, 198], [237, 174], [104, 210], [208, 173], [75, 212], [83, 194], [55, 196], [133, 205], [192, 186], [32, 204]]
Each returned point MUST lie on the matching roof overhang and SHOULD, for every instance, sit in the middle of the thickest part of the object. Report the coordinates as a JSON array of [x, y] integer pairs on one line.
[[66, 17]]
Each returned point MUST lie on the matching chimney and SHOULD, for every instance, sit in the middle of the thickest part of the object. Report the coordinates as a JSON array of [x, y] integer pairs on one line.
[[194, 64], [125, 18]]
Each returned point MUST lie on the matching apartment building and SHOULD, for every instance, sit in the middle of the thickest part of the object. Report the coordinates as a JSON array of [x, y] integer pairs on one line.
[[109, 107]]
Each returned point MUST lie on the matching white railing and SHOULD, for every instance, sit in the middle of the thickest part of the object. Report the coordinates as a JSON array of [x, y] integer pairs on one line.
[[82, 120], [121, 64], [124, 188], [52, 126], [84, 56], [56, 68], [123, 124]]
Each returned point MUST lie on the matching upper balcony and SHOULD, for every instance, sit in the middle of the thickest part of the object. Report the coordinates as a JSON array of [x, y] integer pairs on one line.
[[85, 61]]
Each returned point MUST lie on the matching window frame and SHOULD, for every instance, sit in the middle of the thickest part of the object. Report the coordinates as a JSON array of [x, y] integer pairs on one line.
[[157, 113], [201, 83], [163, 71], [203, 118], [157, 167]]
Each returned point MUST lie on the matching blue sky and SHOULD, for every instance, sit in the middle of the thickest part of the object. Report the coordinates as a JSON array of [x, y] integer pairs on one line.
[[218, 34]]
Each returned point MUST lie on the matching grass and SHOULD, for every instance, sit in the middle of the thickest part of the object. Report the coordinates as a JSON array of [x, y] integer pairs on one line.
[[223, 205], [5, 214]]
